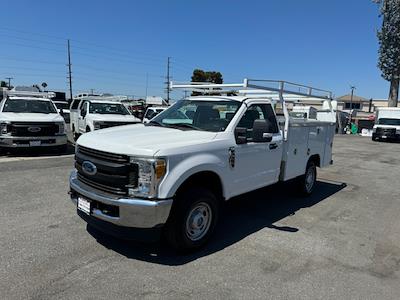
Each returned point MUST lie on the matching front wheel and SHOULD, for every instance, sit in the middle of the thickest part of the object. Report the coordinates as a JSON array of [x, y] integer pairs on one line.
[[306, 182], [192, 220]]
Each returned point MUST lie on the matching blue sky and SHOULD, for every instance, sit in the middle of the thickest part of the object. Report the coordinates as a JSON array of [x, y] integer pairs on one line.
[[114, 44]]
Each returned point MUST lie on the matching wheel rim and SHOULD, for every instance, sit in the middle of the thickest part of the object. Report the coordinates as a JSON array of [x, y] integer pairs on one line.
[[310, 179], [198, 221]]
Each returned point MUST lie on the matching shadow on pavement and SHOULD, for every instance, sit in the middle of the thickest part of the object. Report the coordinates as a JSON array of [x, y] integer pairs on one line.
[[240, 218]]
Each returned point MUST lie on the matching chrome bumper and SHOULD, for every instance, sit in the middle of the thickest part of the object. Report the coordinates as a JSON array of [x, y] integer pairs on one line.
[[133, 212], [23, 142]]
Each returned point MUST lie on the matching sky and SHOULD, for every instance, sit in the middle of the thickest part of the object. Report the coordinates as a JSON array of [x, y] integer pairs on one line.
[[122, 47]]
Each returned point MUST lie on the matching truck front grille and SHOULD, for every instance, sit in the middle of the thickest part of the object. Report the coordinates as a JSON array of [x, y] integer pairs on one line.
[[27, 129], [115, 174], [386, 131]]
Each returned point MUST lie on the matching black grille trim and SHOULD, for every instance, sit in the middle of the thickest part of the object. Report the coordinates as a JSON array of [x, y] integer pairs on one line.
[[112, 157]]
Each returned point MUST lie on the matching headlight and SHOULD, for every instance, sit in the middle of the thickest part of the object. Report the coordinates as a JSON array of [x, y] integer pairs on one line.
[[61, 128], [374, 129], [3, 127], [150, 173], [96, 125]]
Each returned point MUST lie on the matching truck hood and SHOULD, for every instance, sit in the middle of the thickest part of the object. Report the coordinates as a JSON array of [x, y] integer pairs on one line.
[[30, 117], [387, 126], [113, 118], [140, 140]]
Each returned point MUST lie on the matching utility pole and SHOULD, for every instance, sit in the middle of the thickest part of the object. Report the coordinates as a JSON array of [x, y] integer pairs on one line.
[[9, 82], [168, 78], [91, 91], [69, 69]]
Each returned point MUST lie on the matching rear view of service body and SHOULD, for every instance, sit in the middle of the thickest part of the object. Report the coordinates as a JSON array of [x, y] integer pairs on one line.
[[30, 119], [171, 176]]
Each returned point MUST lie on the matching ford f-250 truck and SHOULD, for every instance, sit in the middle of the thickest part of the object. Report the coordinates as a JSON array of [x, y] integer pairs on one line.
[[95, 113], [387, 124], [30, 119], [171, 175]]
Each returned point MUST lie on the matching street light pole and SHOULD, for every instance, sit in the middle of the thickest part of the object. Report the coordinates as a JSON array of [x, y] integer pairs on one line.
[[351, 102]]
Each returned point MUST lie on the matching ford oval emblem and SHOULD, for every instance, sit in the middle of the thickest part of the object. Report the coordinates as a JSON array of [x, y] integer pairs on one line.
[[34, 129], [89, 168]]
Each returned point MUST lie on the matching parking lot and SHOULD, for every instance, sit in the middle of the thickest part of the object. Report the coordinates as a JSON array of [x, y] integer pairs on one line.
[[341, 243]]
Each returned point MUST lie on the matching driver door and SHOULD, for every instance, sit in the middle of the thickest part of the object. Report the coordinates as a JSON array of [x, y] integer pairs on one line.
[[82, 115], [257, 164]]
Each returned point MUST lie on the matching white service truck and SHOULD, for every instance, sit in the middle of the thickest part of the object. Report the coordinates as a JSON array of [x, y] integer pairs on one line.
[[30, 119], [387, 124], [170, 176], [90, 114]]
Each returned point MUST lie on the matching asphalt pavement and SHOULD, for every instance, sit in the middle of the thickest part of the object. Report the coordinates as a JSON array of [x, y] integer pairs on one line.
[[341, 243]]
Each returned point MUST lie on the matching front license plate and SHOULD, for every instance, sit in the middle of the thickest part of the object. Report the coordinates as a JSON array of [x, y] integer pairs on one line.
[[34, 143], [384, 136], [84, 205]]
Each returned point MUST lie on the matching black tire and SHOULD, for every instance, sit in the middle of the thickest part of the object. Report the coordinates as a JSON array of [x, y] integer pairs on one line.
[[374, 138], [306, 183], [195, 205]]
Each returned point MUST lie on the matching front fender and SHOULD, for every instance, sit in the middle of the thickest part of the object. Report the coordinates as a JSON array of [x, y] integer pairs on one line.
[[180, 170]]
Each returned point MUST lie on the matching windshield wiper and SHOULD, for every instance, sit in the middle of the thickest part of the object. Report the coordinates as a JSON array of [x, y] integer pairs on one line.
[[184, 125]]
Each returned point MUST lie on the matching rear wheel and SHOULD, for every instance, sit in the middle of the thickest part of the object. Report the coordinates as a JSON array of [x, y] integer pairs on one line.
[[306, 182], [192, 220]]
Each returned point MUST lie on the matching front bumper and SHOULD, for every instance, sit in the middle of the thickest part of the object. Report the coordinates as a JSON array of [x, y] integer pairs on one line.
[[23, 142], [128, 213], [386, 136]]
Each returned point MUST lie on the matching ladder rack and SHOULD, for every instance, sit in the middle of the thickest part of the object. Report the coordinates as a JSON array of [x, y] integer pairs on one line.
[[47, 95], [277, 90]]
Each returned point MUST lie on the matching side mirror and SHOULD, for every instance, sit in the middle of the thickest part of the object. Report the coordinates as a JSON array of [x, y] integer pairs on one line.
[[61, 111], [83, 113], [241, 135], [261, 131]]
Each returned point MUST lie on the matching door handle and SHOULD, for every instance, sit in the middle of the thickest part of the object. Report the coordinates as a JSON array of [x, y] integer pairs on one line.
[[273, 146]]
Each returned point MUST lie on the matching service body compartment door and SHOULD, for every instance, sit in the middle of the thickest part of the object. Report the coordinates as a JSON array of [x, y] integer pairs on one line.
[[295, 152]]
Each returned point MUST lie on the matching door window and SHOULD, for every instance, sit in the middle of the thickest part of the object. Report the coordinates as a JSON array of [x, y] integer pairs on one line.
[[258, 112]]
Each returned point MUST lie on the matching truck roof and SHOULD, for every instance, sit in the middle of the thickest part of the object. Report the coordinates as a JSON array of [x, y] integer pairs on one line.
[[104, 101]]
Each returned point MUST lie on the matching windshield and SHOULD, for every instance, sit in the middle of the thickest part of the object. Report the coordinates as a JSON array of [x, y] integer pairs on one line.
[[387, 121], [29, 106], [198, 115], [108, 108]]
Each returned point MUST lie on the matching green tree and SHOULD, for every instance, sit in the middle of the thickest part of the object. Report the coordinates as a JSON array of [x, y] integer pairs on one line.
[[3, 83], [207, 76], [389, 50]]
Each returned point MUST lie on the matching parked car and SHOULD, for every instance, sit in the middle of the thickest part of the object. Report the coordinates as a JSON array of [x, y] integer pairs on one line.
[[29, 119], [90, 115], [171, 175], [387, 124]]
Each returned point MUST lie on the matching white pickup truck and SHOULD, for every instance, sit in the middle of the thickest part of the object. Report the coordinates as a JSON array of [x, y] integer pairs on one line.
[[30, 119], [92, 114], [387, 124], [171, 175]]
